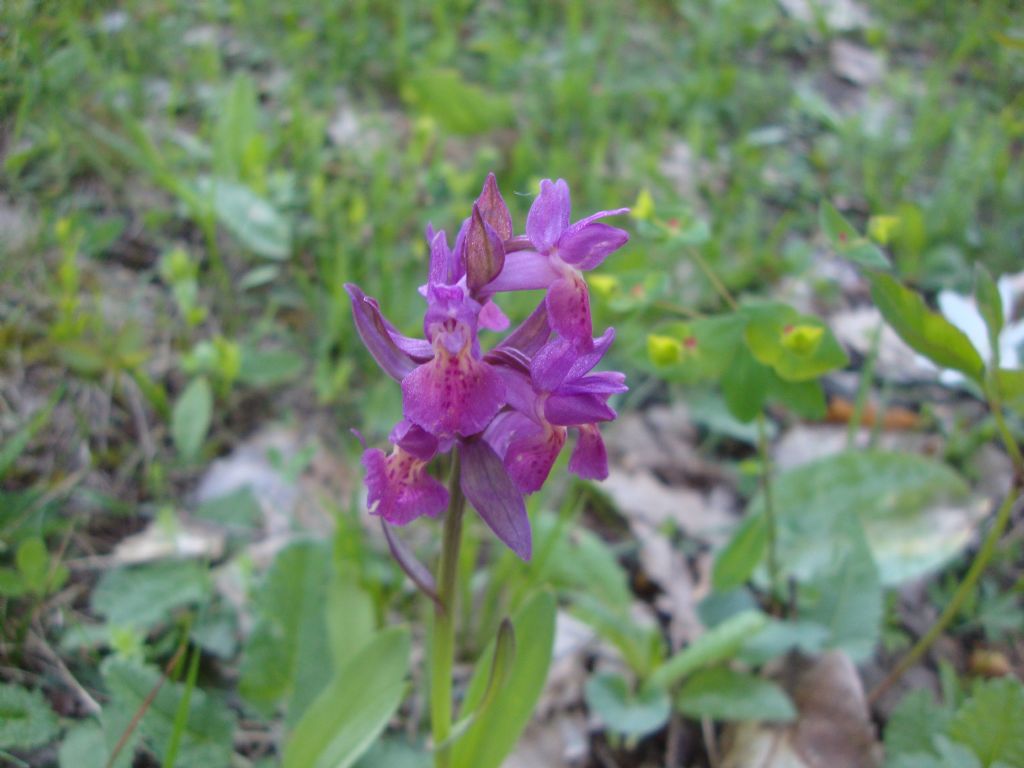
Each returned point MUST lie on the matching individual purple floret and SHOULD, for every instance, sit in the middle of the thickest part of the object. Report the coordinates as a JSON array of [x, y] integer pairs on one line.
[[555, 254], [507, 412], [399, 487], [556, 393]]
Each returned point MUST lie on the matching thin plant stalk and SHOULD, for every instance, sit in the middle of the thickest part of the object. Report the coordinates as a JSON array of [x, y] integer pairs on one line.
[[769, 506], [863, 390], [963, 591], [713, 278], [981, 560], [442, 649]]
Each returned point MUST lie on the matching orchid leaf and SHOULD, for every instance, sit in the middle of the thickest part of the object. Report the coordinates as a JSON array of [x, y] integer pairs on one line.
[[925, 331], [494, 733], [501, 667], [349, 714]]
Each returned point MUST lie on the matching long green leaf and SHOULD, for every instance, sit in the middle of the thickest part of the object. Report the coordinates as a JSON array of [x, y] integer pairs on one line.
[[924, 330], [349, 714], [496, 730]]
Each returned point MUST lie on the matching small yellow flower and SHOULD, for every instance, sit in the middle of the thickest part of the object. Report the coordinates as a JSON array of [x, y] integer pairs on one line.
[[802, 339]]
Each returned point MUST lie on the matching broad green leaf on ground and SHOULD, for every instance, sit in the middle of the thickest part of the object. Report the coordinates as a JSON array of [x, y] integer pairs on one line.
[[85, 746], [492, 735], [721, 693], [581, 560], [215, 630], [37, 574], [990, 722], [350, 617], [288, 654], [914, 723], [255, 222], [925, 331], [26, 719], [349, 714], [744, 385], [625, 711], [713, 647], [846, 598], [190, 419], [947, 754], [847, 241], [738, 559], [147, 595], [797, 347], [780, 637], [457, 105], [206, 741], [641, 646], [913, 510]]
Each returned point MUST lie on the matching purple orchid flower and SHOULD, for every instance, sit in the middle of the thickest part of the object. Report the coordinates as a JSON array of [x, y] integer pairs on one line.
[[554, 256], [555, 393], [506, 412], [399, 487]]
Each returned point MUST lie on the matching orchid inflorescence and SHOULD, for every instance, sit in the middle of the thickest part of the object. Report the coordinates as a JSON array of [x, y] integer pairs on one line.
[[507, 411]]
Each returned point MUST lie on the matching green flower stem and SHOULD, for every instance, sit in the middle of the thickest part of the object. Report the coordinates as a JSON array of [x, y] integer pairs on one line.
[[442, 649], [953, 606]]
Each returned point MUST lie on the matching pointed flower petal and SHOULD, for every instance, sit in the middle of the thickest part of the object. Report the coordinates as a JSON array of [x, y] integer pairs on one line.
[[587, 360], [586, 248], [549, 215], [552, 364], [494, 496], [453, 394], [524, 271], [492, 318], [396, 354], [589, 458], [572, 410]]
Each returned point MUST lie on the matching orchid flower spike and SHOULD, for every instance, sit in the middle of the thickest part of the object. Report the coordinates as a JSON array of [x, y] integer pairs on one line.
[[507, 411]]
